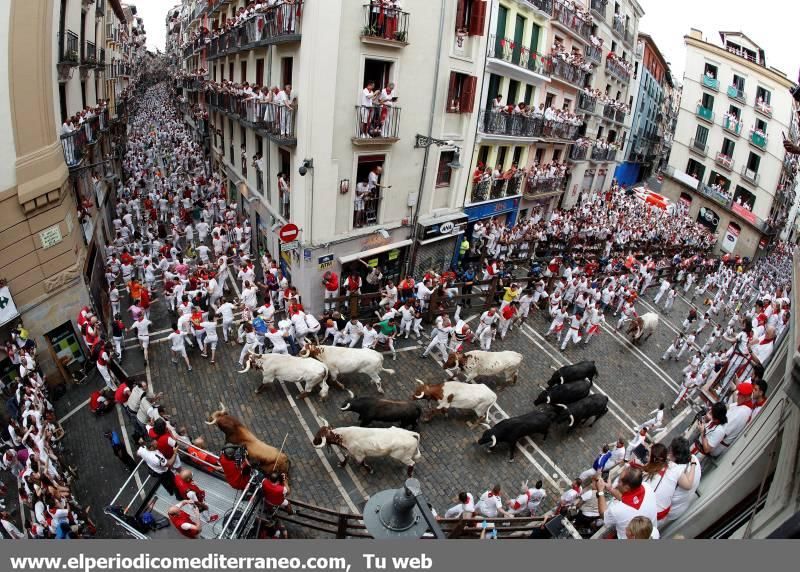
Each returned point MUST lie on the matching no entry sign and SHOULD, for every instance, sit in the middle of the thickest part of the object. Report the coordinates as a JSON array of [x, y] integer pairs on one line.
[[288, 232]]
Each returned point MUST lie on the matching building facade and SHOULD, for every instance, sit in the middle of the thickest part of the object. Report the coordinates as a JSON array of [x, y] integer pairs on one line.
[[356, 178], [612, 45], [650, 118], [728, 165]]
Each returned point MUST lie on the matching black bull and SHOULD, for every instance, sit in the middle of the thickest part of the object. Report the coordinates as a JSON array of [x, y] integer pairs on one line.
[[574, 372], [509, 431]]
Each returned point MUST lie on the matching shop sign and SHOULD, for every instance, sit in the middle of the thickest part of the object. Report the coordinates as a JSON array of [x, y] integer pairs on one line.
[[394, 254], [307, 254], [442, 229], [487, 210], [8, 310], [50, 236], [326, 261], [287, 246], [373, 262], [730, 238]]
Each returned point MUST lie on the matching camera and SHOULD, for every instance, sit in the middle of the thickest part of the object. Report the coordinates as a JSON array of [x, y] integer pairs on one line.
[[307, 164], [701, 413]]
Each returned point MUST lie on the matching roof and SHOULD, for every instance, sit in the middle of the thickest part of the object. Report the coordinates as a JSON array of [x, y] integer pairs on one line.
[[742, 34]]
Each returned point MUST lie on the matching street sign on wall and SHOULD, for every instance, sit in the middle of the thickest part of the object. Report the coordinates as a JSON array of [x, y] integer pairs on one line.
[[288, 232]]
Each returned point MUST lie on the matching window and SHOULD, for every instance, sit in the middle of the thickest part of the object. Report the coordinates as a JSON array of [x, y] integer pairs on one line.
[[719, 180], [243, 71], [701, 135], [753, 162], [513, 88], [230, 71], [557, 155], [470, 17], [708, 101], [548, 100], [62, 101], [528, 94], [635, 69], [517, 156], [763, 95], [695, 169], [539, 156], [735, 111], [461, 93], [744, 198], [483, 155], [443, 171], [501, 156], [761, 125], [287, 67], [567, 104], [613, 46], [710, 71], [727, 147], [599, 132], [738, 82]]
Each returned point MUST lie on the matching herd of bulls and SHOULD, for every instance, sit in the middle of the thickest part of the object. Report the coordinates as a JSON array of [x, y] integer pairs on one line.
[[566, 399]]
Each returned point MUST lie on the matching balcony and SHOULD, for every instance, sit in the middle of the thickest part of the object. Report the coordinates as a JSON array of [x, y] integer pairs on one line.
[[379, 125], [599, 8], [710, 82], [568, 19], [480, 191], [750, 176], [717, 195], [724, 161], [599, 154], [535, 187], [385, 26], [613, 114], [618, 26], [89, 55], [736, 93], [763, 108], [578, 153], [617, 70], [544, 7], [521, 126], [365, 209], [568, 72], [698, 147], [586, 102], [758, 139], [277, 25], [732, 126], [705, 114], [274, 121], [594, 54], [490, 189], [74, 147], [101, 59], [506, 51]]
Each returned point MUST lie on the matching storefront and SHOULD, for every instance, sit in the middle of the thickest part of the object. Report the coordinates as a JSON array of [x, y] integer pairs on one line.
[[389, 258], [501, 210], [438, 241]]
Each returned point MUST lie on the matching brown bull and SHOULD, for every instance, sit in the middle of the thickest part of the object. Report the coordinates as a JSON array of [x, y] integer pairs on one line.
[[265, 457]]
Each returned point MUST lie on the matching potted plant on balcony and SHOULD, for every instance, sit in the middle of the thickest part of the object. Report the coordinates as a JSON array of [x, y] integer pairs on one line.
[[400, 36], [72, 56]]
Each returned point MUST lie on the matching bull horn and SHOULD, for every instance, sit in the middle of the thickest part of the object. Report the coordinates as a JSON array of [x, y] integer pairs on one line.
[[346, 407], [486, 425], [418, 382], [303, 353], [214, 422], [548, 399], [323, 422], [321, 445], [562, 405], [246, 367], [553, 368], [542, 387], [352, 395], [222, 407], [420, 396], [494, 442]]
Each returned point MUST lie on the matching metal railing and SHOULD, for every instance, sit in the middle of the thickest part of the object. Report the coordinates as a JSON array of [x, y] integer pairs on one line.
[[587, 102], [599, 7], [74, 147], [570, 20], [539, 186], [763, 108], [750, 175], [545, 6], [516, 125], [710, 82], [705, 113], [613, 114], [724, 161], [698, 146], [578, 153], [618, 26], [378, 122], [280, 23], [366, 209], [101, 59], [758, 140], [506, 50], [69, 48], [480, 191], [384, 23], [717, 196], [491, 189], [568, 72], [617, 70], [736, 93], [594, 53], [599, 154], [732, 126], [280, 122]]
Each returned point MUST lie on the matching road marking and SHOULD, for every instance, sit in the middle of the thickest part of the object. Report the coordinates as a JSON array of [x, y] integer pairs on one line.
[[74, 411], [644, 358], [331, 473]]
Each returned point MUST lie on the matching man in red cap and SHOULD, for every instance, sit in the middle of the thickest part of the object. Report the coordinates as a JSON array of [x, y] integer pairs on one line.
[[738, 415]]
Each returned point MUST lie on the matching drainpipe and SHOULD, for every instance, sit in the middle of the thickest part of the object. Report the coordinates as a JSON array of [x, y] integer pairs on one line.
[[412, 254]]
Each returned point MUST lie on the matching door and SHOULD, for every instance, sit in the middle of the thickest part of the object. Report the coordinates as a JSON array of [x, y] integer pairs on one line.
[[500, 34], [494, 89], [535, 31], [519, 29]]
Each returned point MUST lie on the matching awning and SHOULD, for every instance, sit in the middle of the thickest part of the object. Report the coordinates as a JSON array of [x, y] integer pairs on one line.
[[441, 237], [429, 220], [374, 251]]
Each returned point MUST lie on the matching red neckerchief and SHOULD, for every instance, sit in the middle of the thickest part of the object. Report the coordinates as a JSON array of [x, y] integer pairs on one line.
[[576, 488], [766, 341], [634, 498]]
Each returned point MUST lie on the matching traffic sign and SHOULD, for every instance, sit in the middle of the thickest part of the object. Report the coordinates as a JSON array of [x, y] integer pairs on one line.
[[287, 246], [288, 232]]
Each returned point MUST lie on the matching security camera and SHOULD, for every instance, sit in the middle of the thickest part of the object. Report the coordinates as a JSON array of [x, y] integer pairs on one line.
[[302, 170], [307, 164]]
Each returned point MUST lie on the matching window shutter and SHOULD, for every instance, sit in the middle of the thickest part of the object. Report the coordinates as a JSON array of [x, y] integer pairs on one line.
[[468, 94], [477, 18], [451, 90], [461, 7]]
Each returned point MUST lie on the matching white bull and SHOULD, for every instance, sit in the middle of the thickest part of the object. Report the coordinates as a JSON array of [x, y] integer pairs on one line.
[[477, 362], [458, 395], [290, 369], [363, 442], [344, 361], [643, 327]]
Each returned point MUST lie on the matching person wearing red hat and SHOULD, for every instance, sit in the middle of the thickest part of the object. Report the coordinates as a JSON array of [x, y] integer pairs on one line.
[[738, 415]]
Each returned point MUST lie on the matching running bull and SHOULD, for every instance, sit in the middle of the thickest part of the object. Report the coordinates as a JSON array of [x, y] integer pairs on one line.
[[509, 431], [574, 372], [564, 393], [594, 406], [369, 409]]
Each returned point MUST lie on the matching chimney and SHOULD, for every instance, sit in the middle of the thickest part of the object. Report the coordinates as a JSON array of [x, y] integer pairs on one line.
[[695, 33]]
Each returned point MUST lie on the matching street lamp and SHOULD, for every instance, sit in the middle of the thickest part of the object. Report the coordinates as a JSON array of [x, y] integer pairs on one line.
[[400, 513]]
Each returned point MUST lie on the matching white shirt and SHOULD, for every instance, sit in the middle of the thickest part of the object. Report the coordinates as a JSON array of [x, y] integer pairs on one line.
[[154, 460], [738, 416], [142, 328], [682, 498], [176, 340], [619, 514], [617, 455], [226, 311], [461, 508], [489, 504]]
